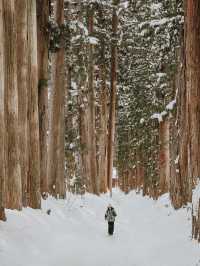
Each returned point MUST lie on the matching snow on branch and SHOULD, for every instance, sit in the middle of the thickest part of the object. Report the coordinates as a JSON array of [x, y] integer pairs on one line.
[[169, 107], [161, 22], [93, 40], [159, 116]]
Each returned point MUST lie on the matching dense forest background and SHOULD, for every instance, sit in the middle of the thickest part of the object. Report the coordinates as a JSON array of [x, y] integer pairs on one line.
[[86, 86]]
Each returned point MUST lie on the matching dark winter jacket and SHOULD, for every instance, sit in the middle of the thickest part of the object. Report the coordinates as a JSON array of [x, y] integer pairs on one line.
[[110, 214]]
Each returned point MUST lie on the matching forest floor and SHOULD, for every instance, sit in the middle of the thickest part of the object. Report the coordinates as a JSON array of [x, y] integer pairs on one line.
[[147, 233]]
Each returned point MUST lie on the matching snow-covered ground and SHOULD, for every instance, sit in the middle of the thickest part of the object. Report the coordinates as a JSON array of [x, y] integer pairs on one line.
[[147, 233]]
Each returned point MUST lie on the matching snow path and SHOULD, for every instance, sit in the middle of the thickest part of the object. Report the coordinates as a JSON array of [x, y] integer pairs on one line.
[[147, 233]]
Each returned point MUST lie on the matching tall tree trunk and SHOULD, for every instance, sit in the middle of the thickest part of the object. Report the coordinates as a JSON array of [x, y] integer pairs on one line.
[[139, 169], [22, 72], [103, 116], [111, 134], [179, 187], [103, 140], [92, 115], [83, 114], [188, 108], [164, 160], [175, 185], [192, 40], [83, 143], [2, 127], [33, 115], [191, 99], [56, 153], [14, 199], [84, 139], [43, 45]]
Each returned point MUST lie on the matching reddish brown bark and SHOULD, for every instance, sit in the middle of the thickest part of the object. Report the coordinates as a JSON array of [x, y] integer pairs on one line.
[[22, 71], [84, 140], [14, 191], [2, 127], [43, 45], [192, 52], [103, 116], [111, 133], [91, 110], [56, 171], [164, 160], [188, 165], [33, 115]]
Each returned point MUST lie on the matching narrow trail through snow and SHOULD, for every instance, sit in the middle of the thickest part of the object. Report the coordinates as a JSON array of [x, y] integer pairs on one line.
[[147, 233]]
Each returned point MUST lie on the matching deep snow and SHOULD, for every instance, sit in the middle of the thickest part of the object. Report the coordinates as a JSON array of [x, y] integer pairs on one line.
[[147, 233]]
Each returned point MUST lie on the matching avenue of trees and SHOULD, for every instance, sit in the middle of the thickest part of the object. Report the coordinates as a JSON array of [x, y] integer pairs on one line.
[[85, 85], [55, 97]]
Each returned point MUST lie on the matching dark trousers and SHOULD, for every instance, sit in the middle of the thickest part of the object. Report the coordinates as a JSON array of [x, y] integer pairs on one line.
[[110, 228]]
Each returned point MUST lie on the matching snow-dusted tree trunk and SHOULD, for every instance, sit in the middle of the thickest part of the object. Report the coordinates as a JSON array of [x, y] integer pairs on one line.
[[83, 129], [56, 149], [103, 117], [83, 115], [111, 134], [91, 110], [196, 221], [85, 162], [174, 188], [164, 156], [179, 185], [2, 127], [43, 45], [33, 115], [139, 170], [103, 139], [14, 188], [22, 71], [188, 165], [192, 54]]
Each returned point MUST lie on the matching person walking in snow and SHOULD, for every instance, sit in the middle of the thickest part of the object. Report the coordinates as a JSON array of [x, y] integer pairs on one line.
[[110, 217]]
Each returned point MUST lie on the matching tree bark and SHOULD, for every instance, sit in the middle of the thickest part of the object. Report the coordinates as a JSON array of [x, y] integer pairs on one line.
[[83, 114], [14, 188], [84, 139], [33, 115], [103, 117], [2, 127], [103, 140], [192, 40], [92, 115], [43, 45], [22, 72], [139, 169], [179, 185], [111, 133], [56, 152], [164, 160]]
